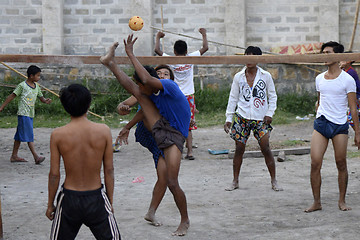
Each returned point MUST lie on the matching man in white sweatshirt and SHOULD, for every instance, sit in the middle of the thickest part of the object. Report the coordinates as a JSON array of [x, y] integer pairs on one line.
[[253, 102]]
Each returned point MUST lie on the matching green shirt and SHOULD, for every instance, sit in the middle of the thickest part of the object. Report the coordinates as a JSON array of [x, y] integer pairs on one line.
[[27, 100]]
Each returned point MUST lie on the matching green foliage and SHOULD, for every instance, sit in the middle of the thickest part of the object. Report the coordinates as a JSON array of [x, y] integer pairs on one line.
[[351, 154], [212, 100], [211, 104], [297, 104]]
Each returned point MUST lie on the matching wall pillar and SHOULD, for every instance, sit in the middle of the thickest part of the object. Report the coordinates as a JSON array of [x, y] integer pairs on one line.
[[53, 27], [235, 25], [329, 23], [143, 9]]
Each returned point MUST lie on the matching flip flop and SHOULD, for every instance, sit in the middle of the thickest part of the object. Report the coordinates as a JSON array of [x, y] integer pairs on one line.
[[18, 160], [190, 157], [39, 160]]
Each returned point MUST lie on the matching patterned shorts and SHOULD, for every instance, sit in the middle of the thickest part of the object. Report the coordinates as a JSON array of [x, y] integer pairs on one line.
[[241, 129], [350, 120], [191, 100]]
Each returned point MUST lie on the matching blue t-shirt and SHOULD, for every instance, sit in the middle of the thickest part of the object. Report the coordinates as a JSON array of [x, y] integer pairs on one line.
[[173, 106]]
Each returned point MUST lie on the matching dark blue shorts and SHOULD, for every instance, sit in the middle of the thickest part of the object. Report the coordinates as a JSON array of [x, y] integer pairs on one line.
[[329, 129], [145, 138], [24, 131]]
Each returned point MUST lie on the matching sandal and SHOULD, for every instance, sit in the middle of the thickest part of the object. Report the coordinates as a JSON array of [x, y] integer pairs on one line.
[[39, 160], [189, 157]]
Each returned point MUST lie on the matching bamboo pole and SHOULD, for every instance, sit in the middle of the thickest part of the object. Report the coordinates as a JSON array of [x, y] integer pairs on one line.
[[162, 28], [355, 25], [50, 91], [219, 43]]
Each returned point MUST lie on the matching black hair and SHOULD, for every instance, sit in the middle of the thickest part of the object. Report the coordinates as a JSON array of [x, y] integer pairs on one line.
[[337, 47], [150, 70], [253, 50], [32, 70], [350, 52], [162, 66], [75, 99], [180, 47]]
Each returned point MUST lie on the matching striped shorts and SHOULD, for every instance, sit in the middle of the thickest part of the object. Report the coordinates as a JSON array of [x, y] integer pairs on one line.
[[91, 208]]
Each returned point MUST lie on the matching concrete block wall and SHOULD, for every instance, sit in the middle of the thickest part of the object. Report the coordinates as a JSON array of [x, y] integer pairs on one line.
[[89, 26], [283, 22], [20, 27], [186, 17], [347, 12]]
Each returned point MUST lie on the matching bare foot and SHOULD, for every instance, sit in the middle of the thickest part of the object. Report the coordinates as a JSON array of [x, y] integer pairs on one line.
[[275, 186], [17, 159], [108, 59], [151, 218], [234, 185], [39, 160], [343, 207], [182, 229], [313, 208]]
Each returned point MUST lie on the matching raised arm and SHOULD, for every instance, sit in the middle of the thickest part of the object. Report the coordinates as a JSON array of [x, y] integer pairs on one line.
[[157, 43], [7, 101], [109, 61], [205, 46], [45, 100], [145, 77], [54, 175]]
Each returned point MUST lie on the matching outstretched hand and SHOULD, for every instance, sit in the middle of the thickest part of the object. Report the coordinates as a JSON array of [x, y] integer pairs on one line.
[[123, 109], [129, 44], [123, 136]]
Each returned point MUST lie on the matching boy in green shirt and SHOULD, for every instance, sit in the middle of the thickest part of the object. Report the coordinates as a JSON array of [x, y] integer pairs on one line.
[[28, 92]]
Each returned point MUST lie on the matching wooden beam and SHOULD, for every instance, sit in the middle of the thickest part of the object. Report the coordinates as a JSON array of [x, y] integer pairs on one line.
[[206, 60], [258, 154]]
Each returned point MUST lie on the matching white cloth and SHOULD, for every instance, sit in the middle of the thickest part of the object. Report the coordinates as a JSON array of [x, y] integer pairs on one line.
[[252, 103], [333, 96], [184, 75]]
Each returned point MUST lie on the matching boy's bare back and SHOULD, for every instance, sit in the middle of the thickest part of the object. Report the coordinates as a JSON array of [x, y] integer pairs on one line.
[[84, 147]]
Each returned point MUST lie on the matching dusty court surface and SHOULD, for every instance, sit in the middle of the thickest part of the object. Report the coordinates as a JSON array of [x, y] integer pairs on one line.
[[252, 212]]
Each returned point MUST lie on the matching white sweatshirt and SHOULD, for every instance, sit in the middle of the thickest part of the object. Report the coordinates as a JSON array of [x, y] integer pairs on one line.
[[252, 103]]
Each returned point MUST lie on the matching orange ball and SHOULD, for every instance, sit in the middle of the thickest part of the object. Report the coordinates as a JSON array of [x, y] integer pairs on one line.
[[136, 23]]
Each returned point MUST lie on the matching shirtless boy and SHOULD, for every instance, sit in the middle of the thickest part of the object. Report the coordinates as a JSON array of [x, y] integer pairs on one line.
[[85, 147], [169, 128]]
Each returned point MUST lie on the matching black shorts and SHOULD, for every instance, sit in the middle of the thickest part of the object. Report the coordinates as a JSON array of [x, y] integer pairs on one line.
[[91, 208], [165, 135]]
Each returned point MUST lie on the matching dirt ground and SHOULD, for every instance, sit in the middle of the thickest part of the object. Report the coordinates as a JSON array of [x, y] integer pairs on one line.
[[252, 212]]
